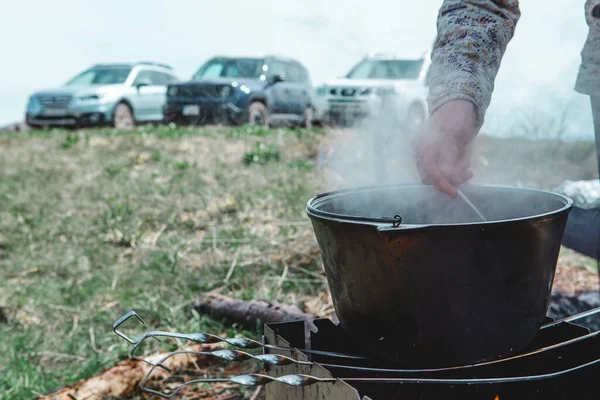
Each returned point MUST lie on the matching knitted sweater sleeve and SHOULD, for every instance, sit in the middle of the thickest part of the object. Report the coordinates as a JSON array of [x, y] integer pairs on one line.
[[471, 40]]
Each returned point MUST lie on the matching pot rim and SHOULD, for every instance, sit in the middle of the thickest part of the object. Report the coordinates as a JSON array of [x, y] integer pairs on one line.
[[315, 212]]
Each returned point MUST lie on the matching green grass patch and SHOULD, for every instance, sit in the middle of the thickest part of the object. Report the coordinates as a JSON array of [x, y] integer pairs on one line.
[[262, 154], [138, 220]]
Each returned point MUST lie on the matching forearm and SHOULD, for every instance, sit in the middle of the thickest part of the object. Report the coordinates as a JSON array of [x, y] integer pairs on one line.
[[471, 41]]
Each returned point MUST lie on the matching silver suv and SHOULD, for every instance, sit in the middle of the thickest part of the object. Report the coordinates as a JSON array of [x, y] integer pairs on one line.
[[120, 95]]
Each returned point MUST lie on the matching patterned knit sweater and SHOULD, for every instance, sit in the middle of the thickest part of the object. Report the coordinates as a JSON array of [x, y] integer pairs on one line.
[[471, 41]]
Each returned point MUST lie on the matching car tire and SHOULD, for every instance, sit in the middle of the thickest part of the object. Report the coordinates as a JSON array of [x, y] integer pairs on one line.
[[309, 116], [415, 118], [123, 117], [258, 114]]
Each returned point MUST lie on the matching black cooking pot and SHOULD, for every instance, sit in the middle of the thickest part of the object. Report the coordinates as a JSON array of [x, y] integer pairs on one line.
[[416, 277]]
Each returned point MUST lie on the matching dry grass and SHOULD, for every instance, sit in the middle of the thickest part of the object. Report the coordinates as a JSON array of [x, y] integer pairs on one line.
[[106, 222], [96, 223]]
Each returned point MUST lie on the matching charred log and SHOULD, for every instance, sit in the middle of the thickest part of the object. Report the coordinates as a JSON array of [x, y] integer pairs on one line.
[[249, 314]]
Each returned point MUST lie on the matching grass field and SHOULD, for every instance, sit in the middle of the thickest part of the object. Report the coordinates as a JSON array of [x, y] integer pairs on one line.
[[97, 222]]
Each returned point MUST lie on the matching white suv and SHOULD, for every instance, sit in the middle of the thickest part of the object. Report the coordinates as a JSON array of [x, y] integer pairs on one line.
[[379, 85]]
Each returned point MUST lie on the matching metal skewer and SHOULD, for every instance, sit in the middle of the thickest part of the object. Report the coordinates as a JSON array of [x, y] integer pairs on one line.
[[466, 200], [207, 338], [245, 343], [305, 380], [279, 360], [573, 318], [299, 380]]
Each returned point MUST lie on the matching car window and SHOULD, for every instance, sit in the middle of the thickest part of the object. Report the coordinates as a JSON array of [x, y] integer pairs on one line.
[[230, 68], [277, 68], [145, 76], [101, 76], [380, 71], [294, 73], [213, 71], [361, 71], [170, 78], [161, 78], [404, 69], [305, 76], [387, 69]]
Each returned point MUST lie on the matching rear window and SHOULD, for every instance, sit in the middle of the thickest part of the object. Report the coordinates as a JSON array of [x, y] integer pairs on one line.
[[387, 69]]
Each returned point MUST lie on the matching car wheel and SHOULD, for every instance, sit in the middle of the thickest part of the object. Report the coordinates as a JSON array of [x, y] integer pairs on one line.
[[309, 116], [258, 114], [415, 117], [123, 117]]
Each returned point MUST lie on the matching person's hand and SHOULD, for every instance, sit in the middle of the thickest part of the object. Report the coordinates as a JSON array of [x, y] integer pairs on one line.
[[443, 148]]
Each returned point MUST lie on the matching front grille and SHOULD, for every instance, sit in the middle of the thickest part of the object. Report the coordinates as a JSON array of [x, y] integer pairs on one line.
[[200, 91], [348, 92], [55, 101]]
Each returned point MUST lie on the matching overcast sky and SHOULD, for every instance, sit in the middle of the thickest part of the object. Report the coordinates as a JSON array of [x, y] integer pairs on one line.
[[45, 43]]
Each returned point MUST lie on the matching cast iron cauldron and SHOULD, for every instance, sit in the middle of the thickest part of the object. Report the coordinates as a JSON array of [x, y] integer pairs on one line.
[[438, 287]]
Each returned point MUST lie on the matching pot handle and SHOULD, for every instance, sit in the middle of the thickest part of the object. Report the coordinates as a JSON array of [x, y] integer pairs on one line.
[[397, 226], [391, 230]]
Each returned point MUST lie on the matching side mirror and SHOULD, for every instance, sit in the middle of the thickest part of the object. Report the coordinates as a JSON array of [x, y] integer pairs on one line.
[[141, 83], [277, 78]]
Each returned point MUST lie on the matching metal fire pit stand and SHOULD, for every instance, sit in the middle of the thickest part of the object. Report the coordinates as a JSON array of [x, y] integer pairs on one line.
[[560, 364], [563, 361], [340, 390]]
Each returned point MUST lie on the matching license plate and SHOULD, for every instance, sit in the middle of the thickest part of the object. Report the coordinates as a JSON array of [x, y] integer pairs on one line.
[[55, 112], [346, 108], [191, 110]]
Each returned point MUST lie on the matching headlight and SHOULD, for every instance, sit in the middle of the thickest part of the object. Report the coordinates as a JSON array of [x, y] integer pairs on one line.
[[91, 97], [321, 90], [226, 91], [365, 91], [172, 91]]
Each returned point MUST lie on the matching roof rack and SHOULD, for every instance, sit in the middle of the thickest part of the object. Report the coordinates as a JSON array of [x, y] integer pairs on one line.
[[109, 65], [280, 57], [154, 63], [398, 56], [116, 65]]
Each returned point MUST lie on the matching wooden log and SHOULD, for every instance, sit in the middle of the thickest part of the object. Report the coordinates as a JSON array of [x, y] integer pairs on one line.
[[249, 314], [123, 379]]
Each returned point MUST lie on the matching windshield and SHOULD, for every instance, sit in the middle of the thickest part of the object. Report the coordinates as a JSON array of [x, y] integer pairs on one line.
[[387, 69], [230, 68], [101, 76]]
